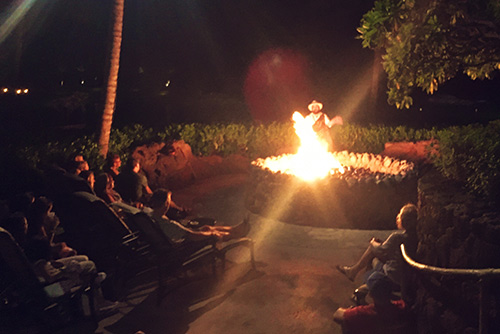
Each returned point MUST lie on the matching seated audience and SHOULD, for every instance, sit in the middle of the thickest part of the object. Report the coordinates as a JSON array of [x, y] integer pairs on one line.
[[177, 233], [386, 256], [53, 261], [105, 189], [113, 164], [80, 158], [132, 185], [42, 226], [62, 182], [88, 176], [76, 167], [384, 315], [388, 252]]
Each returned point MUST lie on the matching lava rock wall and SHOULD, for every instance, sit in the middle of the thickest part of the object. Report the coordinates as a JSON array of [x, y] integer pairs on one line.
[[364, 203], [174, 166], [455, 231]]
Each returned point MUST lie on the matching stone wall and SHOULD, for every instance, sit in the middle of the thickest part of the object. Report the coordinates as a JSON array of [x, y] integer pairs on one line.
[[456, 231], [366, 203]]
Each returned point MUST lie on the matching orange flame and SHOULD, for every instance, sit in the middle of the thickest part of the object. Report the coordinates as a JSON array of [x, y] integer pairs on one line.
[[312, 160]]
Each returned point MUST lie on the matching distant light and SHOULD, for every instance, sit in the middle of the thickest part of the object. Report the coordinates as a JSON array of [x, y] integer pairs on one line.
[[5, 90], [476, 110], [82, 82], [167, 83], [420, 109], [18, 91], [62, 82], [25, 91]]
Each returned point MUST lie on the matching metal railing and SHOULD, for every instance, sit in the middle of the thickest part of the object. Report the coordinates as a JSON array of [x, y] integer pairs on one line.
[[483, 277]]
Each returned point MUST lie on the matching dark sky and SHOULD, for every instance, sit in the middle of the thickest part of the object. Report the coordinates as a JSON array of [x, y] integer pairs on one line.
[[201, 46], [199, 41]]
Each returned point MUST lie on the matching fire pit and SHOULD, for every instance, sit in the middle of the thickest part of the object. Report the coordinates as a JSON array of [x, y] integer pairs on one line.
[[318, 188]]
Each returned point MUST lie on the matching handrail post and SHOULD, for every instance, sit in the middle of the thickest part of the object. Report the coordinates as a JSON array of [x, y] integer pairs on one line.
[[483, 306], [484, 275]]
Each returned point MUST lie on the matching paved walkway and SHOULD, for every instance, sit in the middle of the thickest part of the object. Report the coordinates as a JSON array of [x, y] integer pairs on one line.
[[295, 288]]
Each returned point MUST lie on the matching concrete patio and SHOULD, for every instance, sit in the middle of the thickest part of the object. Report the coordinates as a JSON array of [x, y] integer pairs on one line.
[[295, 288]]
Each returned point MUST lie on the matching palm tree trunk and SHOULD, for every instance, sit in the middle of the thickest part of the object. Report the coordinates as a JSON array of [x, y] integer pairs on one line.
[[109, 104]]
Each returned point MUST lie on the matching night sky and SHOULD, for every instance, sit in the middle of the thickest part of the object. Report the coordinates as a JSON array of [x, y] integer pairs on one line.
[[204, 49]]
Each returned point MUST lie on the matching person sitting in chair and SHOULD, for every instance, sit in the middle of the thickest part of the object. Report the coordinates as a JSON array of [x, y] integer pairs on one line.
[[113, 164], [384, 315], [388, 253], [132, 184], [177, 233]]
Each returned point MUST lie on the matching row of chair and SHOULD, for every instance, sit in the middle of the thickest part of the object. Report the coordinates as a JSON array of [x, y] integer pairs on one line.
[[123, 248], [126, 247], [41, 304]]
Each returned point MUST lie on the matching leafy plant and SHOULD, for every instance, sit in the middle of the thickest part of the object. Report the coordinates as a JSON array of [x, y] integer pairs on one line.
[[469, 154]]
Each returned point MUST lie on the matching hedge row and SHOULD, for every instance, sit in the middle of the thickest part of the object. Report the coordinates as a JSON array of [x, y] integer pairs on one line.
[[469, 154]]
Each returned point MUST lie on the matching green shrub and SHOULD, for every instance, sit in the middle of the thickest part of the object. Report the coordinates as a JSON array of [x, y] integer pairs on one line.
[[372, 139], [469, 154]]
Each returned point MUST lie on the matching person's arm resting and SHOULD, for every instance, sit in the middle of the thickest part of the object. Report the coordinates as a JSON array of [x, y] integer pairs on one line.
[[338, 316]]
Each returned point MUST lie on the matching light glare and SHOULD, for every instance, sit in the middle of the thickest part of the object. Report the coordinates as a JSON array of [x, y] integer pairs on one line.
[[312, 160]]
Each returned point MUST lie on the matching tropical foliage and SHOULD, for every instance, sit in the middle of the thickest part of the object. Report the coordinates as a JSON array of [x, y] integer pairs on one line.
[[426, 43], [468, 154]]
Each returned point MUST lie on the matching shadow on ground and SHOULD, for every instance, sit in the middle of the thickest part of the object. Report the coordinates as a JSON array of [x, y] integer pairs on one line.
[[185, 303]]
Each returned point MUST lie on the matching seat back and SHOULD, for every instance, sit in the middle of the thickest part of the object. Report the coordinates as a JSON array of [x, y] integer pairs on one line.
[[91, 227], [48, 312], [16, 268], [151, 232]]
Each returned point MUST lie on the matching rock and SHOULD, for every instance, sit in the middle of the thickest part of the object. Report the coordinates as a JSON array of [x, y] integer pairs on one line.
[[174, 165], [416, 152]]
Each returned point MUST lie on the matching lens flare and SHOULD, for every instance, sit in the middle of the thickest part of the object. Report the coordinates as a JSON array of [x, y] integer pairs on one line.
[[13, 16]]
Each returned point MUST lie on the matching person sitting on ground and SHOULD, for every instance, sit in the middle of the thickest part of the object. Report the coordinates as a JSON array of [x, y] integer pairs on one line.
[[388, 253], [384, 315], [113, 164], [132, 185], [177, 233]]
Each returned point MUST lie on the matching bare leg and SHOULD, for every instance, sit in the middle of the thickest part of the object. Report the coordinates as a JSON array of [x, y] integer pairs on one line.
[[364, 261]]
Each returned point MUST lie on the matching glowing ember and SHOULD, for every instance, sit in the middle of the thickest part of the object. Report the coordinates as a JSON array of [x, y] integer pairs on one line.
[[312, 160]]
